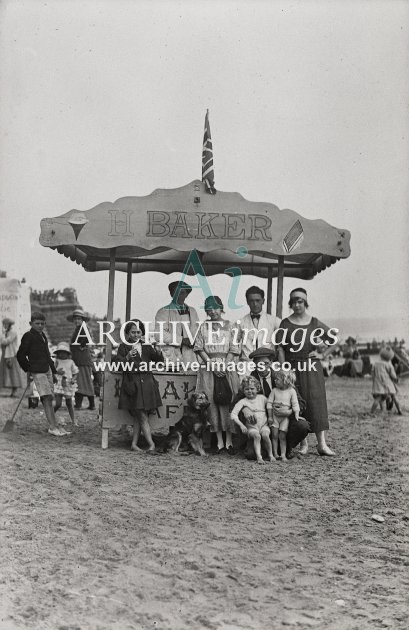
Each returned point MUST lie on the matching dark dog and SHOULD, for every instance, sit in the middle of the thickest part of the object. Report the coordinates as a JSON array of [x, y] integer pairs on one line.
[[191, 426]]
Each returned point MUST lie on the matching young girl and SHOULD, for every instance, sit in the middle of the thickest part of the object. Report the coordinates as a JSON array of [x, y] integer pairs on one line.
[[139, 390], [281, 403], [383, 381], [66, 379], [253, 408]]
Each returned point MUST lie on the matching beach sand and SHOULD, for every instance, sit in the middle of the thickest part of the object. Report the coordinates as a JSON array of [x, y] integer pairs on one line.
[[94, 539]]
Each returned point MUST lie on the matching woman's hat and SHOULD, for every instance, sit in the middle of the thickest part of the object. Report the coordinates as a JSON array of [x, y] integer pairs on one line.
[[8, 321], [298, 293], [263, 351], [78, 313], [63, 347], [387, 353], [213, 302], [180, 285]]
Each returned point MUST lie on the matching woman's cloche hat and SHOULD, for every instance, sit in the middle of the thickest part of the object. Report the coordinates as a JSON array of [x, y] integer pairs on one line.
[[78, 313]]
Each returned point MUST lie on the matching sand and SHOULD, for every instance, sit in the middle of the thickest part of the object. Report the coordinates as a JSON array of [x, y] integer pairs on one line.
[[96, 539]]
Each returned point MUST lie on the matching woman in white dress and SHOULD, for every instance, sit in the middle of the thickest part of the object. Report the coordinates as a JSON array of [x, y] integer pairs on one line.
[[215, 346]]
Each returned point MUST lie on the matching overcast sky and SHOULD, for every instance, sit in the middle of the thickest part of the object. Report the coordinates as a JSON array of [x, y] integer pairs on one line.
[[308, 110]]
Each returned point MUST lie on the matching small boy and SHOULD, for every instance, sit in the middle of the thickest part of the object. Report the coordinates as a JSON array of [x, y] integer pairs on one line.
[[34, 358]]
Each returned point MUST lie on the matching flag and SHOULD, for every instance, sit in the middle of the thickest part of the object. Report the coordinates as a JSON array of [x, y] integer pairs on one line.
[[293, 237], [207, 159]]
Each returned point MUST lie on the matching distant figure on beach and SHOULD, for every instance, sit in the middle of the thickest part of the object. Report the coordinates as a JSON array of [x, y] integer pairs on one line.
[[384, 381], [353, 365], [10, 375], [173, 320]]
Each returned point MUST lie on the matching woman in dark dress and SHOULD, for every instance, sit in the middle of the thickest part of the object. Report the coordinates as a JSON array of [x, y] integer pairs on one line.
[[310, 382], [139, 390]]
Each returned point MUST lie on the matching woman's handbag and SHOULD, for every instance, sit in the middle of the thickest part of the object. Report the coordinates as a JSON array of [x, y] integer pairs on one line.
[[222, 394]]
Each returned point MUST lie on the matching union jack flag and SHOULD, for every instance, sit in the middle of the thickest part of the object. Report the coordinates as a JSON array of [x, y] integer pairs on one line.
[[293, 237], [207, 159]]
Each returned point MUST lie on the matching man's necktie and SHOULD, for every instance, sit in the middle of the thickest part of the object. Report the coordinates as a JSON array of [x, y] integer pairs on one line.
[[255, 318], [266, 387]]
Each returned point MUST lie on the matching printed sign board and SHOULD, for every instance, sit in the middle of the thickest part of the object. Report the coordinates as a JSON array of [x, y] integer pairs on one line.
[[174, 388]]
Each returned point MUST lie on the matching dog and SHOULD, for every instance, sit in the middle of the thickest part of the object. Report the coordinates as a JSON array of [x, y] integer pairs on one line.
[[191, 426]]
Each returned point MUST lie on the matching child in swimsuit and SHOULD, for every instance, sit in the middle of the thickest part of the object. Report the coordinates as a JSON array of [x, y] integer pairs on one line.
[[281, 403], [253, 408]]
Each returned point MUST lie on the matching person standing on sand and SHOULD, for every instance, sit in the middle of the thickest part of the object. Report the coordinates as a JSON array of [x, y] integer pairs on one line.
[[216, 348], [82, 357], [10, 375], [310, 382], [384, 381], [34, 358], [139, 390]]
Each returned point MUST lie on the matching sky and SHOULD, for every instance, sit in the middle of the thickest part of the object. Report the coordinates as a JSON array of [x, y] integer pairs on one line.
[[308, 110]]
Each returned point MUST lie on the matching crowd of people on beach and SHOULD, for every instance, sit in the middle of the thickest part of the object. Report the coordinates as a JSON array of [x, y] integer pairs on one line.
[[274, 404]]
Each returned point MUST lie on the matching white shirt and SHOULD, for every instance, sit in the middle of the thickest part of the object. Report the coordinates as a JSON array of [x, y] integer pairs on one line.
[[251, 340]]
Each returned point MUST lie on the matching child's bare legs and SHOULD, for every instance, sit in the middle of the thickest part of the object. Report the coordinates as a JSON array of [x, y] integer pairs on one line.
[[58, 402], [229, 441], [374, 406], [136, 431], [275, 442], [395, 400], [265, 439], [70, 407], [135, 435], [282, 435], [49, 410], [145, 428], [255, 436]]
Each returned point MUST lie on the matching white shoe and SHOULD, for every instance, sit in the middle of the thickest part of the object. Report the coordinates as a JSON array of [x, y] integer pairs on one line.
[[57, 432]]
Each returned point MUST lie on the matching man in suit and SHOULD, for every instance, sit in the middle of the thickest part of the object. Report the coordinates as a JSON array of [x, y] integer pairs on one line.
[[257, 327], [264, 357]]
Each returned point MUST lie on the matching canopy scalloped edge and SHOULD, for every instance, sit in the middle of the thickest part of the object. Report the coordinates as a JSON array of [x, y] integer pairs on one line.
[[169, 223]]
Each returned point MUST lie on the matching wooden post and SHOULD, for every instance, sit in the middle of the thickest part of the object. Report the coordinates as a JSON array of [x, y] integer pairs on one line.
[[269, 290], [110, 317], [128, 291], [280, 281]]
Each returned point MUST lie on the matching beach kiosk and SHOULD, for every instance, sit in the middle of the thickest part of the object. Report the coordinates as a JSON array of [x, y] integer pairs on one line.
[[189, 230]]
